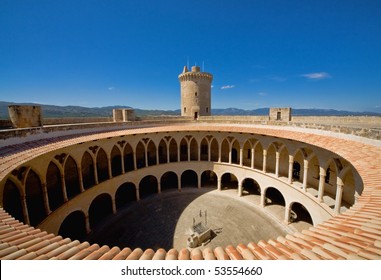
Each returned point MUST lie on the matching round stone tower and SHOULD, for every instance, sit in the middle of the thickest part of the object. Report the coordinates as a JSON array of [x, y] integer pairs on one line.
[[195, 92]]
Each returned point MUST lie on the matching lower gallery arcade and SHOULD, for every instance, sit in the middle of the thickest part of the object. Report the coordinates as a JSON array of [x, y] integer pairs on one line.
[[70, 190]]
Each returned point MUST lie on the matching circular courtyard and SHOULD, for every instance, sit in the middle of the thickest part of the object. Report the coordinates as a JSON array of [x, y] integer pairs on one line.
[[165, 221]]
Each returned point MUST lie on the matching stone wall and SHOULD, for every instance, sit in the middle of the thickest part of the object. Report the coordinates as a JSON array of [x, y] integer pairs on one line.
[[25, 116]]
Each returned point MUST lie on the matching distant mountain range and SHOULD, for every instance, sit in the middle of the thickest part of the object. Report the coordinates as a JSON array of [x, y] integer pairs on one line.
[[53, 111]]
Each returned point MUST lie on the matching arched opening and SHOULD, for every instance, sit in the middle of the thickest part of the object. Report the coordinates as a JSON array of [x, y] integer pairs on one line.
[[204, 152], [183, 150], [214, 151], [169, 181], [74, 226], [71, 178], [258, 156], [147, 186], [274, 197], [102, 166], [189, 179], [193, 150], [125, 194], [299, 214], [116, 162], [34, 198], [283, 162], [271, 159], [296, 171], [163, 157], [247, 154], [173, 150], [235, 152], [54, 187], [88, 176], [140, 156], [313, 172], [100, 209], [225, 151], [208, 179], [250, 186], [229, 181], [12, 200], [151, 153], [128, 157]]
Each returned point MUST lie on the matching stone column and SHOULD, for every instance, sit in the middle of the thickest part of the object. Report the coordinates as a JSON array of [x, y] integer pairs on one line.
[[25, 210], [179, 183], [321, 184], [79, 170], [157, 156], [113, 204], [240, 188], [277, 156], [122, 164], [178, 152], [158, 186], [264, 160], [219, 183], [63, 186], [46, 198], [305, 173], [87, 224], [241, 156], [290, 167], [109, 168], [137, 194], [96, 174], [209, 152], [252, 158], [168, 154], [339, 195], [135, 163], [189, 155], [286, 215], [146, 155], [263, 198], [219, 153], [230, 154]]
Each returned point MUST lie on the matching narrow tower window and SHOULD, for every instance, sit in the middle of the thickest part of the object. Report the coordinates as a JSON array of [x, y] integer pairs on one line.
[[185, 109], [207, 109], [195, 94]]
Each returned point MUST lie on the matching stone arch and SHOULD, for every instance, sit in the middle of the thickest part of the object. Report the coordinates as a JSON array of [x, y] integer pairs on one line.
[[225, 151], [116, 161], [183, 150], [189, 179], [169, 181], [229, 181], [235, 152], [214, 150], [71, 178], [34, 198], [163, 153], [140, 155], [283, 162], [87, 167], [74, 226], [148, 186], [274, 197], [250, 187], [349, 188], [128, 158], [258, 156], [173, 157], [271, 158], [204, 149], [54, 186], [193, 147], [100, 208], [125, 194], [299, 213], [313, 173], [102, 166], [151, 153], [247, 154], [208, 179], [331, 174], [298, 166], [12, 200]]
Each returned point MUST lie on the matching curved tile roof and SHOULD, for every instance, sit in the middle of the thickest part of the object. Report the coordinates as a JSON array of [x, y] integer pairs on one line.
[[355, 234]]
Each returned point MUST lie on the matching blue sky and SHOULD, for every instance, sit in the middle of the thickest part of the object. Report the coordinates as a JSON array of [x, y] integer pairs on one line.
[[262, 53]]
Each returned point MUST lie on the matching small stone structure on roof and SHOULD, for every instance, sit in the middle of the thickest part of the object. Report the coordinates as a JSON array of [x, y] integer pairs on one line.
[[123, 115], [280, 114]]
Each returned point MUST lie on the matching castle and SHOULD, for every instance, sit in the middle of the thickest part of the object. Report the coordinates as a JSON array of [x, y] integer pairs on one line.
[[58, 182]]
